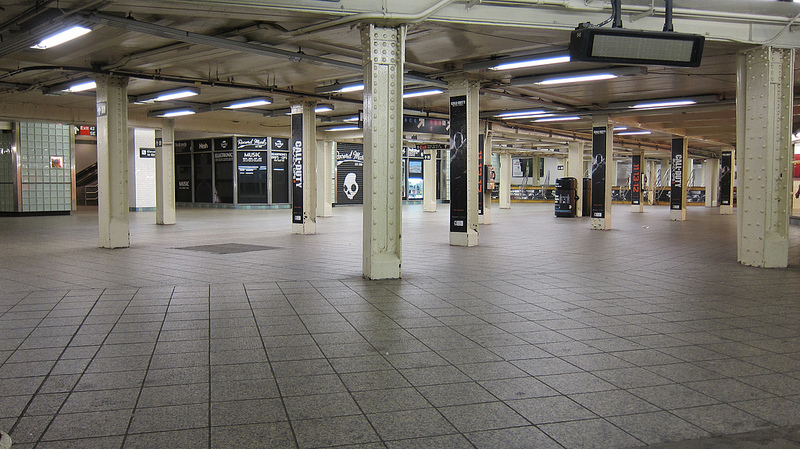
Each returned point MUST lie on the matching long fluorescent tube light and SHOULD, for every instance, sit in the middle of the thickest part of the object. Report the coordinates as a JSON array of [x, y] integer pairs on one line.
[[322, 107], [343, 128], [577, 79], [634, 133], [663, 104], [531, 63], [170, 113], [511, 115], [656, 103], [82, 86], [249, 103], [167, 95], [340, 88], [62, 37], [423, 92], [557, 119]]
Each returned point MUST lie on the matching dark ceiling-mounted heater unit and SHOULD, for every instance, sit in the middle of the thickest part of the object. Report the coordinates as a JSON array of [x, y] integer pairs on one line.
[[620, 46]]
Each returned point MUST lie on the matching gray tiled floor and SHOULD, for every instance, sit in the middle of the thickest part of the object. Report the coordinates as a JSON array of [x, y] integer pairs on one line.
[[546, 335]]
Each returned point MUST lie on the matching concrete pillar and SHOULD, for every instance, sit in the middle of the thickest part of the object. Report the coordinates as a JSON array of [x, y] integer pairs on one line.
[[325, 153], [575, 170], [112, 161], [763, 155], [505, 181], [464, 129], [601, 171], [165, 173], [681, 164], [429, 181], [304, 179], [711, 181], [384, 55]]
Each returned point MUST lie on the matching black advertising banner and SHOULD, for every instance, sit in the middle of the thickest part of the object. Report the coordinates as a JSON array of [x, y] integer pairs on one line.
[[725, 178], [458, 164], [297, 168], [677, 193], [598, 173], [251, 143], [481, 182], [349, 173], [636, 179], [223, 144], [202, 145]]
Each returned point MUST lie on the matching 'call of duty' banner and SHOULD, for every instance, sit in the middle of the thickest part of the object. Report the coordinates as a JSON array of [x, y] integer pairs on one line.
[[725, 178], [458, 164], [598, 173], [636, 179], [297, 168], [481, 180], [676, 193]]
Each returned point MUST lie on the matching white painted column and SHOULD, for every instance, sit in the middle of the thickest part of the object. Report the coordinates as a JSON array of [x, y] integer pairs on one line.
[[325, 151], [384, 54], [464, 150], [505, 181], [304, 179], [429, 181], [681, 164], [763, 156], [711, 174], [601, 171], [575, 170], [112, 162], [165, 173]]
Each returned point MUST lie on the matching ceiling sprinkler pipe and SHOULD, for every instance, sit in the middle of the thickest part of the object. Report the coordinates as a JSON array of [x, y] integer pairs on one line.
[[668, 16]]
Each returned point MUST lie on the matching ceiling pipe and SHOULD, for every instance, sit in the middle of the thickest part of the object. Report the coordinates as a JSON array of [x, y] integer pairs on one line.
[[365, 17]]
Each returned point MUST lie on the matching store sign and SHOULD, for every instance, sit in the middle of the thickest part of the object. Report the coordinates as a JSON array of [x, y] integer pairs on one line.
[[280, 144], [598, 171], [147, 153], [677, 191], [251, 143], [85, 130], [183, 146], [202, 145], [458, 164], [297, 168], [636, 179], [224, 156]]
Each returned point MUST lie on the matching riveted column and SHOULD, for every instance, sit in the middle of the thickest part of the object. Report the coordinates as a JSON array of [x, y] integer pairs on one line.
[[488, 183], [384, 53], [429, 181], [575, 170], [711, 181], [165, 173], [678, 187], [763, 155], [304, 179], [505, 181], [464, 162], [600, 171], [325, 154], [112, 161]]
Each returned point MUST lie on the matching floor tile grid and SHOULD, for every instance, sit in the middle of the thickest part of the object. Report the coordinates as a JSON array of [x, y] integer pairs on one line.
[[37, 437]]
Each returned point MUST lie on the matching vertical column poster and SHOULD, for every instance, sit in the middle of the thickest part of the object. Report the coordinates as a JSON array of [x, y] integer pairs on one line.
[[598, 171], [349, 173], [481, 180], [297, 167], [725, 178], [636, 179], [676, 192], [458, 164]]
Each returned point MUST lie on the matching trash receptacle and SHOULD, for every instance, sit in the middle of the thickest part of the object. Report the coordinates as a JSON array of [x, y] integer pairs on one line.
[[566, 197], [587, 197]]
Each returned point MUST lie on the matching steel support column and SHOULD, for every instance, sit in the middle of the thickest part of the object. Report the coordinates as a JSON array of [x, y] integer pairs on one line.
[[112, 162], [505, 181], [601, 171], [429, 181], [487, 192], [384, 54], [464, 130], [326, 151], [711, 174], [165, 173], [304, 179], [763, 155]]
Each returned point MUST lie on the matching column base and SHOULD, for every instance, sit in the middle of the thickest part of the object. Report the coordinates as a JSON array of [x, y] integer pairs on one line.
[[469, 238], [726, 210], [601, 224], [677, 215], [306, 228], [382, 266], [638, 208]]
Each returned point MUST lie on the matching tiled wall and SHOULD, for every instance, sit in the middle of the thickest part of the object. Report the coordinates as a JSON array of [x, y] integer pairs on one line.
[[45, 156]]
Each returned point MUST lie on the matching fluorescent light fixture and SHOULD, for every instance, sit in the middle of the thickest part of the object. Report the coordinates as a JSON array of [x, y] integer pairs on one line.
[[340, 88], [353, 119], [322, 107], [513, 115], [167, 95], [81, 86], [532, 63], [248, 103], [557, 119], [343, 128], [62, 37], [577, 77], [422, 92], [170, 113], [620, 128], [663, 104], [634, 133]]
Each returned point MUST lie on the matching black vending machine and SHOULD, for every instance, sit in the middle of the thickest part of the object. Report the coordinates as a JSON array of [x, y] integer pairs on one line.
[[566, 197]]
